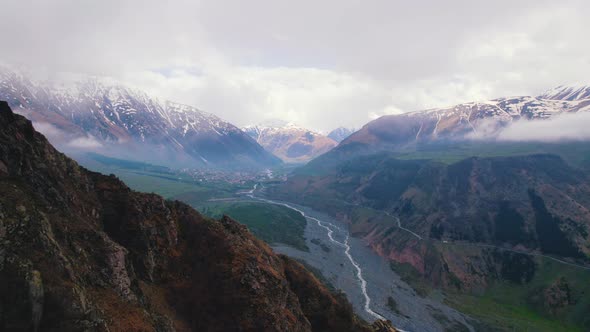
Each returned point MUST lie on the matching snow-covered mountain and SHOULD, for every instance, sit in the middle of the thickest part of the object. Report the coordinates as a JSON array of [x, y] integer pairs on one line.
[[121, 121], [475, 120], [288, 141], [340, 133]]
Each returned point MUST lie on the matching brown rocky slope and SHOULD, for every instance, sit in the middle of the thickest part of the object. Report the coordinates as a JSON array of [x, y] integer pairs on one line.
[[81, 251]]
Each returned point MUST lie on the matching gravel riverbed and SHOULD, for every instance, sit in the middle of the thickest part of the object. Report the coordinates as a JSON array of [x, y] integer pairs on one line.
[[413, 313]]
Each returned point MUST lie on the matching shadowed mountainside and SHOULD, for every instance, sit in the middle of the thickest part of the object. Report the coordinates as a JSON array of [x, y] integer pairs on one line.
[[506, 239], [535, 203]]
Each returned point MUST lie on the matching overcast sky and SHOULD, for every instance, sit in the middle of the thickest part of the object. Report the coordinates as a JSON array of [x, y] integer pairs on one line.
[[321, 64]]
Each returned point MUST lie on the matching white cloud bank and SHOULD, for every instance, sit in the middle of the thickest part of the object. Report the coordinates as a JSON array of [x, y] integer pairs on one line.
[[66, 140], [564, 127], [321, 64]]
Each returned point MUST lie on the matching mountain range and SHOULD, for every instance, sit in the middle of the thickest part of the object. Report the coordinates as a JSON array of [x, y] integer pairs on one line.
[[468, 121], [412, 162], [291, 143], [90, 114], [465, 212]]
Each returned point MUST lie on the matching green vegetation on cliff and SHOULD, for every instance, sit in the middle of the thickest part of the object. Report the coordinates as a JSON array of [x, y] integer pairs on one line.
[[555, 298]]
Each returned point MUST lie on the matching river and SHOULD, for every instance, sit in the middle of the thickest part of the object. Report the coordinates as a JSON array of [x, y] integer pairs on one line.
[[366, 278]]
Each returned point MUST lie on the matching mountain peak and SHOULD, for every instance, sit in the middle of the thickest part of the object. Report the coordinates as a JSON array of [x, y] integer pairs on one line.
[[288, 141], [340, 133], [182, 108]]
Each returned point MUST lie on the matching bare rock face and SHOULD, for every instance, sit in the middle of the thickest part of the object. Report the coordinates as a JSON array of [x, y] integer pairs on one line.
[[80, 251]]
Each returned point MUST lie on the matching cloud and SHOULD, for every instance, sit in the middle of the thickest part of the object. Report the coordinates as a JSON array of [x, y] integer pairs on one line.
[[66, 140], [563, 127], [320, 64], [318, 98], [73, 145], [84, 143], [51, 132]]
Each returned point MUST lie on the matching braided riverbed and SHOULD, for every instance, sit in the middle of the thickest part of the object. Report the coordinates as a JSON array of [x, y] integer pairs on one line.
[[366, 278]]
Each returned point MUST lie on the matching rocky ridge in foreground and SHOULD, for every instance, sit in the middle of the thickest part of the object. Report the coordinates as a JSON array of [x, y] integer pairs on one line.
[[81, 251]]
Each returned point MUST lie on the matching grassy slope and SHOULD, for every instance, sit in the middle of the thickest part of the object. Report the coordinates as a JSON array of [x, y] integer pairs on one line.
[[577, 154], [166, 187], [507, 306], [162, 181], [271, 223]]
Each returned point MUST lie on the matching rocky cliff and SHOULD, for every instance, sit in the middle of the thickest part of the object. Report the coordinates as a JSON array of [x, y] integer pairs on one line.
[[80, 251]]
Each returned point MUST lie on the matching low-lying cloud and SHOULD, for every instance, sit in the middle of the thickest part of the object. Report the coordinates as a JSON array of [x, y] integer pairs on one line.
[[66, 140], [563, 127], [84, 143], [77, 145]]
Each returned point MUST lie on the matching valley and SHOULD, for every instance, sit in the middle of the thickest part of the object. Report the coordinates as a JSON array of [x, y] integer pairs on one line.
[[414, 295], [322, 242], [295, 166], [81, 250], [366, 279], [417, 222], [465, 268], [340, 236]]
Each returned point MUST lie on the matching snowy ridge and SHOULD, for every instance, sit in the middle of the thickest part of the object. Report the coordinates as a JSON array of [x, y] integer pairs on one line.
[[276, 126], [114, 113], [508, 108], [473, 120], [497, 112], [568, 92]]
